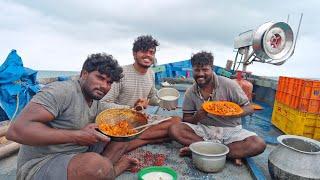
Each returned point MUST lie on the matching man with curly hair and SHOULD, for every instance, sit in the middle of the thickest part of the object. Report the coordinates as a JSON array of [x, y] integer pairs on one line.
[[137, 89], [198, 125], [57, 129]]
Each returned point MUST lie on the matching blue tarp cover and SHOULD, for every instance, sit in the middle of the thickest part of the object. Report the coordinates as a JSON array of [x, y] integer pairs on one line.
[[17, 85]]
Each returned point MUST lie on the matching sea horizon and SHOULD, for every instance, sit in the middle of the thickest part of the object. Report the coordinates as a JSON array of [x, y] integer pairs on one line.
[[51, 74]]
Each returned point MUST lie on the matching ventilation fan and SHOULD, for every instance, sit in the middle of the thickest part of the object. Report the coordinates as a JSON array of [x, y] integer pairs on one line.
[[272, 43]]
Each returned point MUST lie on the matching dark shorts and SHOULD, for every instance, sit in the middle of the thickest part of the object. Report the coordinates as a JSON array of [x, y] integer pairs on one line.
[[57, 167]]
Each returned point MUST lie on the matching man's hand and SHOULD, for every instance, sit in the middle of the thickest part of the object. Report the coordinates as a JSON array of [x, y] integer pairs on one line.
[[200, 114], [166, 106], [196, 117], [88, 135], [141, 102]]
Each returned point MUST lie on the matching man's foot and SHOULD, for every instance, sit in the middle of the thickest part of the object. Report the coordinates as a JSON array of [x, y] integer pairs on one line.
[[124, 163], [185, 151], [238, 162]]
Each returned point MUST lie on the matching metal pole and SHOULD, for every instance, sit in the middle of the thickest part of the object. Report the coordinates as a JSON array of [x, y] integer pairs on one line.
[[295, 42]]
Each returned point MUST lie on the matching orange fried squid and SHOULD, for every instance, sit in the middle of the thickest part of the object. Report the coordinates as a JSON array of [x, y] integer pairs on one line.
[[122, 128]]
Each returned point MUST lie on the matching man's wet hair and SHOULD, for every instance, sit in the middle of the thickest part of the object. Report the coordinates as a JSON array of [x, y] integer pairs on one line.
[[145, 42], [202, 58], [104, 64]]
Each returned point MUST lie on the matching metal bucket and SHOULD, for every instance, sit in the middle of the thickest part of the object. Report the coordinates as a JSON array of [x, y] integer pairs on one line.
[[169, 98], [209, 156]]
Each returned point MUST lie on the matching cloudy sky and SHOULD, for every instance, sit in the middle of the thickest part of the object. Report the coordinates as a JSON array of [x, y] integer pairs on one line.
[[58, 35]]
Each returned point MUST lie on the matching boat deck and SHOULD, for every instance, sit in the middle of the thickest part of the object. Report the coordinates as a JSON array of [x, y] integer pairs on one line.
[[254, 168]]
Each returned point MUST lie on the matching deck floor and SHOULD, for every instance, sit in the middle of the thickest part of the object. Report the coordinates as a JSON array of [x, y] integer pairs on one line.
[[255, 168], [185, 168], [8, 167]]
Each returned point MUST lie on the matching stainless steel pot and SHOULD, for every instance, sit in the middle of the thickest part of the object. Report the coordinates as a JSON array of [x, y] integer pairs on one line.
[[295, 157], [209, 156], [168, 98]]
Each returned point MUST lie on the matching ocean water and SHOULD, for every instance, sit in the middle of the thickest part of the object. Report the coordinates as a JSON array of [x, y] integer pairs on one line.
[[51, 74]]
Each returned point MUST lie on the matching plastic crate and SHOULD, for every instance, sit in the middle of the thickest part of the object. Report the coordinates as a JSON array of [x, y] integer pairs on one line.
[[300, 94], [309, 105], [317, 134], [292, 121], [280, 84], [311, 89], [279, 116]]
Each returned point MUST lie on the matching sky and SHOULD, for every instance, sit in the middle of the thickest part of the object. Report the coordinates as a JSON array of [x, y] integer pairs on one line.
[[59, 35]]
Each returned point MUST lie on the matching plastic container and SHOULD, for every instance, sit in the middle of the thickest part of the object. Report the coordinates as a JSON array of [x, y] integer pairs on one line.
[[292, 121], [300, 94], [156, 170]]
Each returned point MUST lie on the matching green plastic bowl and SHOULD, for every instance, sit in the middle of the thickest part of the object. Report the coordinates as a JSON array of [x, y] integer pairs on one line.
[[150, 169]]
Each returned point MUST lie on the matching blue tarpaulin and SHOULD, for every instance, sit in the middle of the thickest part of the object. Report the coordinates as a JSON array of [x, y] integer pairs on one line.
[[17, 85]]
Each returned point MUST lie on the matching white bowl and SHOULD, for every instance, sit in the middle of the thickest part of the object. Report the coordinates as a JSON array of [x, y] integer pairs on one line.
[[209, 156]]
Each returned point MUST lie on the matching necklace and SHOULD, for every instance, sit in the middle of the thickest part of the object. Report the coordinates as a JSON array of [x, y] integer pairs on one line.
[[210, 98]]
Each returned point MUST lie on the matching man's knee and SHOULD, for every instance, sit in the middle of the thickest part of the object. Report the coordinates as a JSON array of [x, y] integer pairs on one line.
[[175, 120], [256, 144], [94, 166], [101, 167], [174, 130]]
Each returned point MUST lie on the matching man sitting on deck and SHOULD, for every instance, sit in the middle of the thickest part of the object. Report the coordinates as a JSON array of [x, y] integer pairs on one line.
[[137, 89], [57, 129], [199, 126]]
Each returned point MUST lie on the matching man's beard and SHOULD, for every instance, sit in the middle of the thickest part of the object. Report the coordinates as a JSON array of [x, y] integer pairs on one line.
[[207, 81], [145, 66], [202, 84], [94, 96]]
